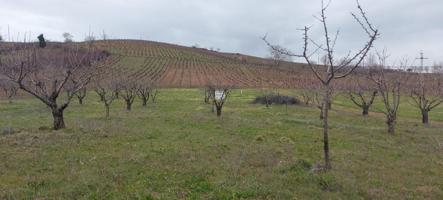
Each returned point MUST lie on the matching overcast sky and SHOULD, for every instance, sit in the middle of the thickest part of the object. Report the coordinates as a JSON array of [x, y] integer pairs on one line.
[[407, 26]]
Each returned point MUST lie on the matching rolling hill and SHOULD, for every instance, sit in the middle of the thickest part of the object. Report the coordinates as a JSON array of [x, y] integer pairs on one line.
[[174, 66]]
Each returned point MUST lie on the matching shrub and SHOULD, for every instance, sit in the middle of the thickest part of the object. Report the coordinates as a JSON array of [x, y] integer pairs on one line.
[[276, 99]]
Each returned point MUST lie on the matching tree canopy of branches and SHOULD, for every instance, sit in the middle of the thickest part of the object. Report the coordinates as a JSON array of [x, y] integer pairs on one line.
[[45, 72], [81, 94], [9, 89], [154, 94], [90, 38], [277, 56], [209, 94], [361, 93], [438, 68], [333, 68], [267, 95], [68, 37]]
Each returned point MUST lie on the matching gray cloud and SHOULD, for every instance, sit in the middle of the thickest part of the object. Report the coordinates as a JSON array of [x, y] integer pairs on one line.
[[407, 26]]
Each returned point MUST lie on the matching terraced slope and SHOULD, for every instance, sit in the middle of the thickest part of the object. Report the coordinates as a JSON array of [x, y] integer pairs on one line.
[[177, 66]]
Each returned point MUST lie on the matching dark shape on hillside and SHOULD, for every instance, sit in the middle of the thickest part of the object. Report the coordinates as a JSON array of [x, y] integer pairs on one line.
[[41, 41]]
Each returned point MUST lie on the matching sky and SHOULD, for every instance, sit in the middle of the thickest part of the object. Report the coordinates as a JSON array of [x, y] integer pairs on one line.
[[406, 26]]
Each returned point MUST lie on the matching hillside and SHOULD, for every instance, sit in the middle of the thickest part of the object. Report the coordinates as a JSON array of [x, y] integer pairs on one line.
[[178, 66]]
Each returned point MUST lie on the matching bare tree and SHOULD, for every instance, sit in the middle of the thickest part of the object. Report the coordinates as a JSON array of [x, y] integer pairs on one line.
[[277, 55], [209, 94], [68, 37], [310, 92], [117, 87], [9, 89], [105, 88], [144, 91], [104, 35], [81, 95], [361, 93], [221, 94], [334, 69], [305, 84], [267, 94], [306, 96], [154, 93], [437, 68], [44, 72], [426, 92], [129, 89], [90, 38], [389, 83], [266, 90]]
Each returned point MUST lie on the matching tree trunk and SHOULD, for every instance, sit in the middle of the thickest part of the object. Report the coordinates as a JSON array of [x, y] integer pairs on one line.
[[80, 101], [207, 98], [326, 104], [391, 124], [59, 122], [219, 111], [145, 102], [128, 105], [107, 111], [102, 98], [321, 112], [425, 116], [365, 110]]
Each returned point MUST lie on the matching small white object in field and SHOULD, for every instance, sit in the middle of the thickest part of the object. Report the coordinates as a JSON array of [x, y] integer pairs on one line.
[[219, 95]]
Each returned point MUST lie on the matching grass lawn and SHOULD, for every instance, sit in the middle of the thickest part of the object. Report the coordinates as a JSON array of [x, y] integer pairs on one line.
[[179, 149]]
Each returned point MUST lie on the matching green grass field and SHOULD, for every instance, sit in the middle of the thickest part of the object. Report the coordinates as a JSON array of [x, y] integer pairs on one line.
[[179, 149]]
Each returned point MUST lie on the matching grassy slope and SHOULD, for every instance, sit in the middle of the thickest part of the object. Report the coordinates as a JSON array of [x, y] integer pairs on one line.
[[180, 150]]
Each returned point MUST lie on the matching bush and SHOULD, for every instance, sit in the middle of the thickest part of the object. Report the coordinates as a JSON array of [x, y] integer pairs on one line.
[[276, 99]]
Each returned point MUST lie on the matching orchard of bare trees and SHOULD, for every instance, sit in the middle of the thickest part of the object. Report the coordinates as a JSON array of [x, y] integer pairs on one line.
[[46, 72], [57, 73]]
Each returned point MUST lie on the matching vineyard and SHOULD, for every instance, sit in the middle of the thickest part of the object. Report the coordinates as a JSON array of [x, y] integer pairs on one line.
[[173, 66]]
